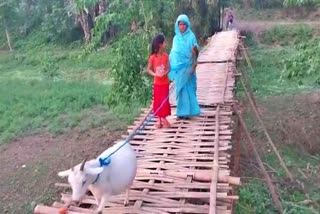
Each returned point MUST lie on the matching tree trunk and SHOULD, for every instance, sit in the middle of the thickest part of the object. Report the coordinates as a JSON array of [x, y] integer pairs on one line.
[[8, 36], [83, 19], [28, 6], [247, 3], [102, 7]]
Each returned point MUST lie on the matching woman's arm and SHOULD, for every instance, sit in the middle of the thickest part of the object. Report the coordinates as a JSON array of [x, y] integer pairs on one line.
[[195, 52], [168, 67]]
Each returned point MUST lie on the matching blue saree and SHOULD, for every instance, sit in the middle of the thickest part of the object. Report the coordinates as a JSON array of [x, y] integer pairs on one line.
[[181, 64]]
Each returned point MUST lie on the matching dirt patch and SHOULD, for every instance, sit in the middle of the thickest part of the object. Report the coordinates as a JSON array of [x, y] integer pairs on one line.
[[290, 120], [257, 27], [29, 165], [295, 120]]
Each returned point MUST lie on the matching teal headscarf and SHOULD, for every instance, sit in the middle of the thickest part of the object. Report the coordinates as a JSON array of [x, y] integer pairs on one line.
[[182, 44], [182, 18]]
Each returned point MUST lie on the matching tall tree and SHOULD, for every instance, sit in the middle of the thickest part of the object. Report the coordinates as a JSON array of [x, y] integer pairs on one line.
[[8, 15]]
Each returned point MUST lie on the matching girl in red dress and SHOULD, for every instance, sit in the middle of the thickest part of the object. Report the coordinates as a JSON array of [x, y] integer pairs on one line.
[[158, 67]]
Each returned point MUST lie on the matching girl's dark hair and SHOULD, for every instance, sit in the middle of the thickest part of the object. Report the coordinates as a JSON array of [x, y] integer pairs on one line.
[[156, 42]]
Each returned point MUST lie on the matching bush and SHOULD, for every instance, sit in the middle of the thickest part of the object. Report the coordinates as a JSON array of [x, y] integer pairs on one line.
[[250, 39], [304, 65], [131, 82]]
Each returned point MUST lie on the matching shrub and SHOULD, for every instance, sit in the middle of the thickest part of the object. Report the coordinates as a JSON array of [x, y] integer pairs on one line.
[[304, 65]]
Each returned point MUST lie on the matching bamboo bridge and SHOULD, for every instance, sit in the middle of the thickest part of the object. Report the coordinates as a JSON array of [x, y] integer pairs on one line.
[[186, 168]]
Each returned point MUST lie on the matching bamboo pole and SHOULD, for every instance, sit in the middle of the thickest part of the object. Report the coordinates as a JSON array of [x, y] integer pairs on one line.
[[267, 134], [203, 176], [238, 149], [246, 56], [213, 187], [246, 81], [275, 198]]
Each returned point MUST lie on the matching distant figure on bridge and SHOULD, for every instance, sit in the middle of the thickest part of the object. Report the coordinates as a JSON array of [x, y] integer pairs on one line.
[[229, 20], [182, 64], [158, 67]]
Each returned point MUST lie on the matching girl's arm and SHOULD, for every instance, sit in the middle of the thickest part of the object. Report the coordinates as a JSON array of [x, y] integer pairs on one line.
[[150, 70]]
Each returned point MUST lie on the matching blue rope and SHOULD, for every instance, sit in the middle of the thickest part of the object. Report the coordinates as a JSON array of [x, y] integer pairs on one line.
[[106, 161]]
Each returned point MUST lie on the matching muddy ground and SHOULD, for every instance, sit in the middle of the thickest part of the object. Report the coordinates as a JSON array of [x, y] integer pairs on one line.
[[29, 165]]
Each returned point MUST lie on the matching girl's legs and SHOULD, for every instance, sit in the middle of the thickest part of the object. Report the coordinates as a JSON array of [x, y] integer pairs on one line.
[[165, 122], [159, 124]]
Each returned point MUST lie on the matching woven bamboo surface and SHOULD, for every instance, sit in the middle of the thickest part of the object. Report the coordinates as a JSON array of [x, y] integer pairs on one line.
[[185, 168]]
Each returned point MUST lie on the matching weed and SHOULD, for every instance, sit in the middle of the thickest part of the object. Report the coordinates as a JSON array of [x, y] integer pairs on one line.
[[255, 199], [304, 65], [266, 78]]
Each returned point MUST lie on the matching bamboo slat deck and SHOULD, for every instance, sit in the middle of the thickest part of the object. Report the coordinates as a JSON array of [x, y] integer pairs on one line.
[[185, 168]]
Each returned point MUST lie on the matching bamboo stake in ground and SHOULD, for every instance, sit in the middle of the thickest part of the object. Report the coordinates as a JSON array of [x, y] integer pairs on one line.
[[246, 56], [266, 132], [238, 149], [246, 81], [271, 187]]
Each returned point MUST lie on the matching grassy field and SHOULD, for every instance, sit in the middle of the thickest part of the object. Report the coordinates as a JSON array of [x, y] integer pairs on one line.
[[291, 115], [56, 89], [53, 112]]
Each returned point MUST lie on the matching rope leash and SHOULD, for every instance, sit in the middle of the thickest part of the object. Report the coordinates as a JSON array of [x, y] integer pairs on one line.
[[106, 161]]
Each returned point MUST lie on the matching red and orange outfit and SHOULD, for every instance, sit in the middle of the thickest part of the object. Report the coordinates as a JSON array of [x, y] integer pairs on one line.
[[160, 66]]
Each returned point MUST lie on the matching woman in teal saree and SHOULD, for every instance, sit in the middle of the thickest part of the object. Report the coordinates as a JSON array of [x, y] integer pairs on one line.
[[182, 71]]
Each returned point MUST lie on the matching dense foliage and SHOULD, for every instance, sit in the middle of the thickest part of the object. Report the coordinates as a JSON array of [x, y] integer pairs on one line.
[[295, 3], [131, 82], [64, 21], [128, 26], [304, 65]]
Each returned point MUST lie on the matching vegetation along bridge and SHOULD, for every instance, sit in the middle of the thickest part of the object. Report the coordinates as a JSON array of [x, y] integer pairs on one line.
[[185, 168]]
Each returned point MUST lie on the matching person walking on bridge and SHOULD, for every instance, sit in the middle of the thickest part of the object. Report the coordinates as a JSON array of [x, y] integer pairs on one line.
[[158, 67], [229, 20], [182, 63]]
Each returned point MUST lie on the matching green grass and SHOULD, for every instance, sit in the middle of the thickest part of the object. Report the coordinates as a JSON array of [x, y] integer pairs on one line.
[[254, 194], [287, 35], [64, 63], [255, 199], [57, 89], [268, 60], [29, 105], [268, 66]]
